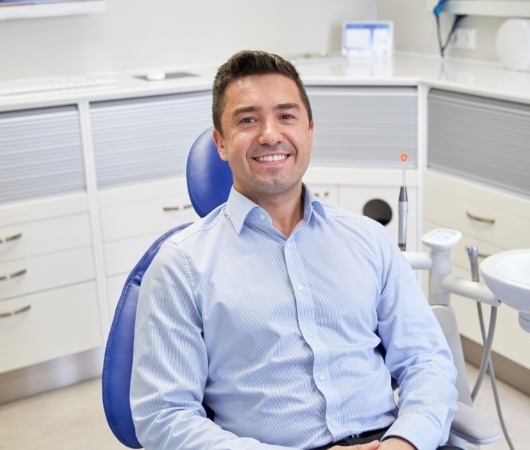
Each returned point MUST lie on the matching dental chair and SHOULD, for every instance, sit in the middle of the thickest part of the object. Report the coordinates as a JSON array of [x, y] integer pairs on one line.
[[209, 181]]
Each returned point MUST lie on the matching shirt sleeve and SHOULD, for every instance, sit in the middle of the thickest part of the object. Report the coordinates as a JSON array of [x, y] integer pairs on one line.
[[417, 355], [170, 365]]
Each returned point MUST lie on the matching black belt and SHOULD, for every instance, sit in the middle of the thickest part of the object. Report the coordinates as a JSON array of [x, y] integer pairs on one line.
[[355, 439]]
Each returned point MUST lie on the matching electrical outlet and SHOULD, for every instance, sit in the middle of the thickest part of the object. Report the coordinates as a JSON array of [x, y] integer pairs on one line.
[[464, 39]]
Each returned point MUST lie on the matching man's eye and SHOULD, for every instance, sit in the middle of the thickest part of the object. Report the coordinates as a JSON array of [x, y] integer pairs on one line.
[[248, 120], [287, 116]]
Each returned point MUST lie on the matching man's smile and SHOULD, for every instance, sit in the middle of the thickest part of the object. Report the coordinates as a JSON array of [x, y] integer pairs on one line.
[[271, 158]]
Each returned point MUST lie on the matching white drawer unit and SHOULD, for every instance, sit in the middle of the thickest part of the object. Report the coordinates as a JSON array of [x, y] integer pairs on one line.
[[48, 300], [495, 221], [132, 218]]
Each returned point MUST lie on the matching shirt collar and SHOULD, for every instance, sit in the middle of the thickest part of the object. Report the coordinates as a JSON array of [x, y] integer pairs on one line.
[[238, 207]]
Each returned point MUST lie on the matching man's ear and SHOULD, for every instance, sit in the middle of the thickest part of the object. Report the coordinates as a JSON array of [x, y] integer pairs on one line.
[[218, 139], [311, 130]]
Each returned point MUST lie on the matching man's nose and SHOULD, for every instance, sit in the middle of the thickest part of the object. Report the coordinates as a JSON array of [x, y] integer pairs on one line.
[[270, 133]]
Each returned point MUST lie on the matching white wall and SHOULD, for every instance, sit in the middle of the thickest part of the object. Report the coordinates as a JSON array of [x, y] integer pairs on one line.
[[415, 29], [137, 34]]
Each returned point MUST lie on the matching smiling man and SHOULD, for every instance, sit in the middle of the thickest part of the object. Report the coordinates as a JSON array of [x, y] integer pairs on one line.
[[290, 319]]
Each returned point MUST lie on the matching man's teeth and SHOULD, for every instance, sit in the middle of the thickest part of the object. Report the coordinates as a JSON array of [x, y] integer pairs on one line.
[[271, 158]]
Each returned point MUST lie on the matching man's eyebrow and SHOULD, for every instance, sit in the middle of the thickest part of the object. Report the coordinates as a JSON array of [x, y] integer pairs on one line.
[[285, 106], [252, 109], [245, 110]]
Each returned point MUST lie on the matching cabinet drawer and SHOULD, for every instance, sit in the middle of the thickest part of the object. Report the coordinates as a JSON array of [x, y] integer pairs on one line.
[[53, 235], [480, 213], [49, 325], [326, 193], [121, 256], [151, 216], [40, 273]]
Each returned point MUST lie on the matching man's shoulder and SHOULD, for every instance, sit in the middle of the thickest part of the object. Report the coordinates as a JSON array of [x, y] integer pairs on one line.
[[199, 227]]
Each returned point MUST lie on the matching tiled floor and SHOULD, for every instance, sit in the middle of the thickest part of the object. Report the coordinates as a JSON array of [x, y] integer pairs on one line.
[[73, 419]]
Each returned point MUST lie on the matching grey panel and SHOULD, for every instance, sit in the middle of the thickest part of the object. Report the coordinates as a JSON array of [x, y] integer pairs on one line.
[[40, 153], [364, 127], [479, 138], [145, 138]]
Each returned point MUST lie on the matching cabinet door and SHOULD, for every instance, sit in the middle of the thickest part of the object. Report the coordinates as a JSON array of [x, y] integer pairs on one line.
[[364, 127], [40, 153], [480, 138], [142, 139]]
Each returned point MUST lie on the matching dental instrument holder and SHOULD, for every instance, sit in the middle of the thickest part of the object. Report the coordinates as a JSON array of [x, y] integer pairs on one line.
[[442, 284], [438, 261]]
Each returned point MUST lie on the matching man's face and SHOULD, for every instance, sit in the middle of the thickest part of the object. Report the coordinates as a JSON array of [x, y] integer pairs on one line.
[[266, 136]]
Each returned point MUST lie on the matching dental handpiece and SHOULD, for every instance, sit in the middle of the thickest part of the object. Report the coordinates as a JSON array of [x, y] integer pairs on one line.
[[472, 252], [403, 203], [402, 217]]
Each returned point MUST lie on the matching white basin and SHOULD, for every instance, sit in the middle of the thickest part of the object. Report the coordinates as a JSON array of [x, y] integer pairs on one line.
[[507, 275]]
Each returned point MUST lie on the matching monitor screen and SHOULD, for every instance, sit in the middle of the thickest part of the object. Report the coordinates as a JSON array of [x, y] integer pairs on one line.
[[20, 9]]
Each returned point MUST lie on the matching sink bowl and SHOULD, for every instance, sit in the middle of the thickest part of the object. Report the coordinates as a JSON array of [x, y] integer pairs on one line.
[[507, 275]]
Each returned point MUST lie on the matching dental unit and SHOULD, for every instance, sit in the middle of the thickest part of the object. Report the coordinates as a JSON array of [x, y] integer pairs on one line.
[[507, 278]]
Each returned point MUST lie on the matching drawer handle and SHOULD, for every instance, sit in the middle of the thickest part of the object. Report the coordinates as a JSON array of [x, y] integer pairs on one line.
[[479, 219], [15, 312], [13, 237], [324, 194], [18, 273], [177, 208]]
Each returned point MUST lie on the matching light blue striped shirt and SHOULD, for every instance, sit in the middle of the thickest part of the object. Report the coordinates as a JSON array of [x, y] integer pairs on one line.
[[281, 336]]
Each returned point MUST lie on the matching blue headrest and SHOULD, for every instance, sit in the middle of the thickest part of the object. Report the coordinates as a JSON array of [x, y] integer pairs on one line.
[[209, 178]]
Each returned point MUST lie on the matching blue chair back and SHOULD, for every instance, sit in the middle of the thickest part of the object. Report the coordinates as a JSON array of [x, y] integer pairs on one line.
[[209, 180]]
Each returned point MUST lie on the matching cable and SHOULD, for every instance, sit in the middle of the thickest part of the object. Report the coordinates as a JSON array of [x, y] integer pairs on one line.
[[488, 342], [487, 357], [456, 21], [437, 11]]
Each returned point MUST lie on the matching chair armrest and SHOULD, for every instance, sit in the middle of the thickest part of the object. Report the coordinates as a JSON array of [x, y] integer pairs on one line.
[[474, 426]]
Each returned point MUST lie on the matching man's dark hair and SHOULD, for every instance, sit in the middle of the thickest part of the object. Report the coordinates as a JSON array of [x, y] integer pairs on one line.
[[247, 63]]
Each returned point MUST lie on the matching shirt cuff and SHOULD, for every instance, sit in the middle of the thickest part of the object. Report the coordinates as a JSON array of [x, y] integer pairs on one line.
[[416, 429]]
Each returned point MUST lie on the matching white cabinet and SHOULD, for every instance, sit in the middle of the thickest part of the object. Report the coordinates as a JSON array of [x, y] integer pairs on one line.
[[360, 134], [48, 298], [494, 221], [140, 148]]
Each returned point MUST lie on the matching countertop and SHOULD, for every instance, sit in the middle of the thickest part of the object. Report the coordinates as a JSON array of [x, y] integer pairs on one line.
[[465, 76]]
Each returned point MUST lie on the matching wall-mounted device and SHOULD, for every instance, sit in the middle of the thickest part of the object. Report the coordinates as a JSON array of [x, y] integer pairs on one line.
[[365, 38], [22, 9]]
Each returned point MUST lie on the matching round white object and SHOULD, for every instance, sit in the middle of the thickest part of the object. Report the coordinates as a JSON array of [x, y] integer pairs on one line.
[[513, 44]]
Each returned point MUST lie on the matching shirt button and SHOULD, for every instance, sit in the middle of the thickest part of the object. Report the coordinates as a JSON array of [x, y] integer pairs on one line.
[[262, 217], [322, 377], [334, 423], [300, 287]]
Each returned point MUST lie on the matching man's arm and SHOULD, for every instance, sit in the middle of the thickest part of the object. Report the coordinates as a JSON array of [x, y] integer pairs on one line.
[[417, 356], [170, 366]]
